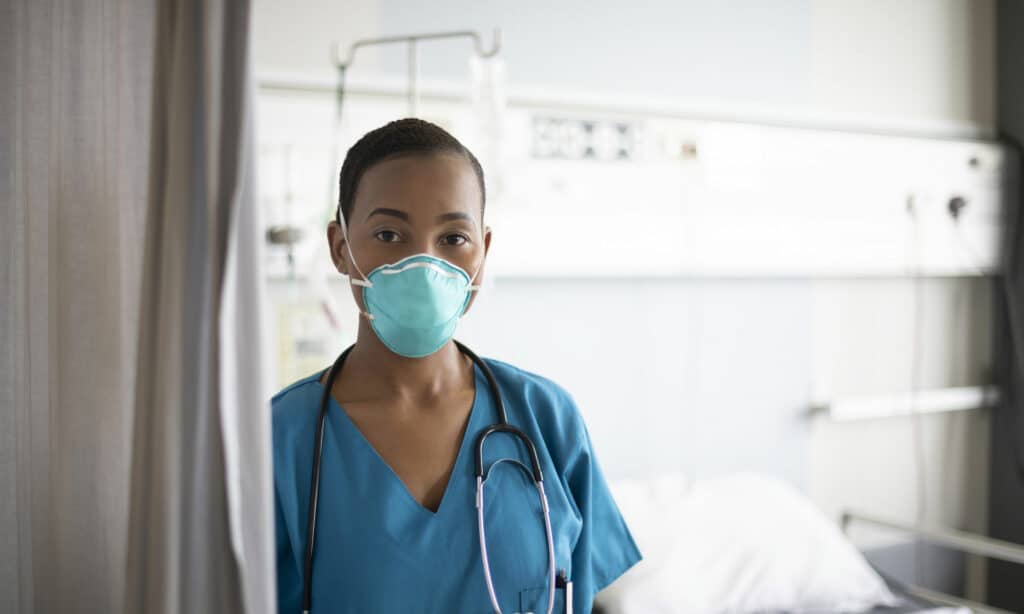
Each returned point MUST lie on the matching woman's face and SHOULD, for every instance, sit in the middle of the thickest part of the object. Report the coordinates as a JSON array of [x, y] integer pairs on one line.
[[414, 204]]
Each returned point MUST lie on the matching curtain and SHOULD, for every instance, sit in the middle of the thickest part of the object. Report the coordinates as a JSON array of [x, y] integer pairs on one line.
[[201, 494], [134, 432], [74, 116]]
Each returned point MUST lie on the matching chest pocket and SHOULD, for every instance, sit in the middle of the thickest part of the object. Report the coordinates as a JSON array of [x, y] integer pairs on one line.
[[535, 601]]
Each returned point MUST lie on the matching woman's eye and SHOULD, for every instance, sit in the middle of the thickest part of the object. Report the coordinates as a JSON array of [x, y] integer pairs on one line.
[[454, 239], [388, 236]]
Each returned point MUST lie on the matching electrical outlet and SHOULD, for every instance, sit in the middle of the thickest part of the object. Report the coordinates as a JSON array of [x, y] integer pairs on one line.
[[583, 139]]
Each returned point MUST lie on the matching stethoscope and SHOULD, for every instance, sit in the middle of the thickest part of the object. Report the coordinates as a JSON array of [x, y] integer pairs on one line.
[[562, 581]]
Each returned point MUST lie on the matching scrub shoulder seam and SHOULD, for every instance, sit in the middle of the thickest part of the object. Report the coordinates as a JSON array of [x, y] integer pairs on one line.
[[552, 389], [281, 393], [523, 373]]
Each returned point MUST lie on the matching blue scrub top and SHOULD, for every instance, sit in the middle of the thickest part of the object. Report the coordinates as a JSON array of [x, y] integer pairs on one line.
[[379, 550]]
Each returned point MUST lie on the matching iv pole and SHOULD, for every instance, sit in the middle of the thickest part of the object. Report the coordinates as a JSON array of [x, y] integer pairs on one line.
[[343, 63]]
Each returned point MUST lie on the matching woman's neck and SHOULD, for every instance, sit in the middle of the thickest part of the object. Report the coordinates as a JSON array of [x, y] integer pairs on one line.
[[372, 371]]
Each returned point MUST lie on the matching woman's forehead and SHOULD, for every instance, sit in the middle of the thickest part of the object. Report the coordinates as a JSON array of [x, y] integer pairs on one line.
[[419, 183]]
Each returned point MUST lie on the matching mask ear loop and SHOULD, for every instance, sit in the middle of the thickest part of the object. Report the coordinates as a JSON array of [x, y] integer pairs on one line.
[[365, 281], [472, 287]]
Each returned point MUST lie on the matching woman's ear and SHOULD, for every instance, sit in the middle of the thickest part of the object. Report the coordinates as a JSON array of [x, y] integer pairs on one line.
[[336, 243], [487, 240]]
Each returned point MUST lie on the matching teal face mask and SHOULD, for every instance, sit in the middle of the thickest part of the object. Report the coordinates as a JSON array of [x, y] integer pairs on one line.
[[414, 304]]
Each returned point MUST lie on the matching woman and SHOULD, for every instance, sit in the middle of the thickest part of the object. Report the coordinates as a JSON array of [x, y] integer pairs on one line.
[[397, 522]]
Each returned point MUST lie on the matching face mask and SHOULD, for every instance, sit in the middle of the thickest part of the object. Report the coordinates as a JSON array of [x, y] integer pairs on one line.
[[414, 304]]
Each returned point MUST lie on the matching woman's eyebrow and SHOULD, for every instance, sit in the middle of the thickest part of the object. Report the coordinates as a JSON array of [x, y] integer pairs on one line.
[[392, 212], [456, 215]]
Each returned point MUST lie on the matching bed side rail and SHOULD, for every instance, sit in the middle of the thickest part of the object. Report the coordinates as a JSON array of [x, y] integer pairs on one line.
[[963, 541]]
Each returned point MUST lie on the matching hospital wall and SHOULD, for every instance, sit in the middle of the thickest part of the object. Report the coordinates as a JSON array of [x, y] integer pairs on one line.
[[708, 376], [919, 65]]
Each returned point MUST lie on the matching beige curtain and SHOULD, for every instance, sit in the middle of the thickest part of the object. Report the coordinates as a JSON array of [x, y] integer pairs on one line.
[[134, 462], [74, 115], [201, 506]]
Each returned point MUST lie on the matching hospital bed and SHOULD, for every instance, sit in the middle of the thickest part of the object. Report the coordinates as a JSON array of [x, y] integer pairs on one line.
[[917, 599], [739, 557]]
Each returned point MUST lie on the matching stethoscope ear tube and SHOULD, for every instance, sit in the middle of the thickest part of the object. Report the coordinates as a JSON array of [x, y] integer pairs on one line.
[[502, 425], [538, 477], [489, 375]]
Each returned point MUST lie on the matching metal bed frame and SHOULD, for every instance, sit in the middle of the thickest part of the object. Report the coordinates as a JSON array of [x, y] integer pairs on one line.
[[962, 541]]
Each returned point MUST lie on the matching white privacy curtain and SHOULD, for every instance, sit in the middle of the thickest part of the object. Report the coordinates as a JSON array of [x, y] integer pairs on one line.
[[201, 526], [134, 435]]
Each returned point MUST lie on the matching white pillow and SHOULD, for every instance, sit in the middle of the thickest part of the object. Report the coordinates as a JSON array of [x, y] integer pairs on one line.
[[743, 543]]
